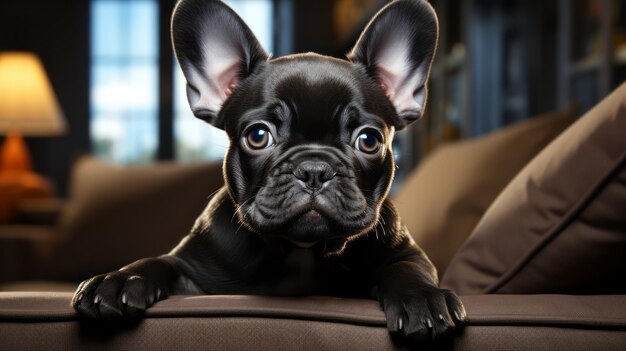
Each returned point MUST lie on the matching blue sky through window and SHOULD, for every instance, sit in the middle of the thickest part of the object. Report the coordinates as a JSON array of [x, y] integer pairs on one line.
[[124, 79]]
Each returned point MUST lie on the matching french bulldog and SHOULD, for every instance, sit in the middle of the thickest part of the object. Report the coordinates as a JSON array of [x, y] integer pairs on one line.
[[304, 209]]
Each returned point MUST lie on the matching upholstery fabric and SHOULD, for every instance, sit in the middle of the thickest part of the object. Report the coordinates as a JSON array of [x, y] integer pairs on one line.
[[39, 285], [560, 225], [495, 322], [118, 214], [444, 198]]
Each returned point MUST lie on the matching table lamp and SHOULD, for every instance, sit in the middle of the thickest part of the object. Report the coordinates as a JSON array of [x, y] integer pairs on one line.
[[28, 107]]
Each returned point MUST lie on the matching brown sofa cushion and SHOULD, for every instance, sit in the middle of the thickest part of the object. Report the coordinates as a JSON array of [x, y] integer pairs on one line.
[[560, 225], [116, 215], [495, 322], [442, 201]]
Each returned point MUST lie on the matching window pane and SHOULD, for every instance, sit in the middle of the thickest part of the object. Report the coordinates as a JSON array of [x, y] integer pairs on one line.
[[106, 28], [126, 138], [122, 86], [195, 139], [124, 28], [124, 79], [143, 38]]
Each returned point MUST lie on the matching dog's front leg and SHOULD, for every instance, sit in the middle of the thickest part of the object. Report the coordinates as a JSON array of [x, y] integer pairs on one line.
[[127, 292], [414, 305]]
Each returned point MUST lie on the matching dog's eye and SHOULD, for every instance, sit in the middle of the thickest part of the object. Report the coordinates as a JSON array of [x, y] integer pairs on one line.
[[367, 142], [259, 138]]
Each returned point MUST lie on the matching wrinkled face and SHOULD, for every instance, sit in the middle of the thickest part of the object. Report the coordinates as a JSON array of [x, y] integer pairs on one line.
[[310, 155]]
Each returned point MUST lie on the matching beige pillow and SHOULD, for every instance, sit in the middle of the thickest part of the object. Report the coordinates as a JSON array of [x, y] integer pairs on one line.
[[116, 215], [442, 201], [560, 225]]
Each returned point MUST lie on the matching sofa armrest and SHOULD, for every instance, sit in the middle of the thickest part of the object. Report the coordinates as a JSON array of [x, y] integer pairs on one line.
[[44, 212], [22, 249], [45, 320]]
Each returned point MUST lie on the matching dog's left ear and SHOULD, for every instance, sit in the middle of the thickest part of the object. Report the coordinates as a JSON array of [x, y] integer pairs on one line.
[[216, 51], [397, 49]]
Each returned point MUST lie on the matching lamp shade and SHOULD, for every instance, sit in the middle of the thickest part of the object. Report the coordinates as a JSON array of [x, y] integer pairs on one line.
[[27, 102]]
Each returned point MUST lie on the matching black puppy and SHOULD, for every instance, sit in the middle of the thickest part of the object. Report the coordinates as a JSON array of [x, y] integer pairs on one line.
[[304, 209]]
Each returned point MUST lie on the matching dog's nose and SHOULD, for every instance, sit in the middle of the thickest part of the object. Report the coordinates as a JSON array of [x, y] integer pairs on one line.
[[314, 173]]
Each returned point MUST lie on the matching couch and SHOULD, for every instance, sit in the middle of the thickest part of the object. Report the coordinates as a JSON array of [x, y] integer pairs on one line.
[[528, 224]]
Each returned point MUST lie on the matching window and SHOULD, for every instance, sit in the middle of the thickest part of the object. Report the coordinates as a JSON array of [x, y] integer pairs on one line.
[[125, 83], [124, 79]]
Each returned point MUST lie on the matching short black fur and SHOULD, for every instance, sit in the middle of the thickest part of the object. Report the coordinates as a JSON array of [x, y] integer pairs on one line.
[[307, 213]]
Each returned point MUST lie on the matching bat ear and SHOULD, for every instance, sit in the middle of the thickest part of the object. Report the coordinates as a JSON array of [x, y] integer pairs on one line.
[[216, 51], [397, 49]]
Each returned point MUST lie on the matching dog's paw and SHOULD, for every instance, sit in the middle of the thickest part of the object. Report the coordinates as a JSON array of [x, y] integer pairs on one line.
[[116, 295], [425, 314]]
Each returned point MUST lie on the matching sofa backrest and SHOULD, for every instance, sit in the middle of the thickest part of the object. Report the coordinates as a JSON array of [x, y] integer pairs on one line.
[[118, 214], [559, 227], [444, 198]]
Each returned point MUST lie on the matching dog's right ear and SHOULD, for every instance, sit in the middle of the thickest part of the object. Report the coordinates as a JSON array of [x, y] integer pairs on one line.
[[397, 49], [216, 51]]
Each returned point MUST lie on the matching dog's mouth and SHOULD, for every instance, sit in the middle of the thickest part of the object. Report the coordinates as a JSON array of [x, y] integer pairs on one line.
[[303, 244], [309, 227], [307, 224], [307, 220], [310, 217], [286, 208]]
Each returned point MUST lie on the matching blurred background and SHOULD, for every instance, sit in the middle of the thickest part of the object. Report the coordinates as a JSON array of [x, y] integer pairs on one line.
[[111, 67], [98, 78]]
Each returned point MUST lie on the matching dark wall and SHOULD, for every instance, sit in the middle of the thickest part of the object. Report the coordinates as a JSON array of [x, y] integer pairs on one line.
[[57, 31], [313, 27]]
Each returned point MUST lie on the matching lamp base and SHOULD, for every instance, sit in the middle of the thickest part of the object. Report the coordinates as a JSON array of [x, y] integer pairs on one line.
[[17, 180]]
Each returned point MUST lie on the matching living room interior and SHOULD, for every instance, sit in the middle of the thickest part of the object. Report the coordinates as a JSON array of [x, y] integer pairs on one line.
[[513, 182]]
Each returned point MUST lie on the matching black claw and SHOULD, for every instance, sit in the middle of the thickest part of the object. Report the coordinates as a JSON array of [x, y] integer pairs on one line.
[[456, 315], [97, 301], [124, 307], [158, 294], [440, 316], [80, 296], [400, 324], [428, 323]]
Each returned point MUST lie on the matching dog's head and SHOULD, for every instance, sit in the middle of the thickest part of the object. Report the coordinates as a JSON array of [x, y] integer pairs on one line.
[[310, 136]]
